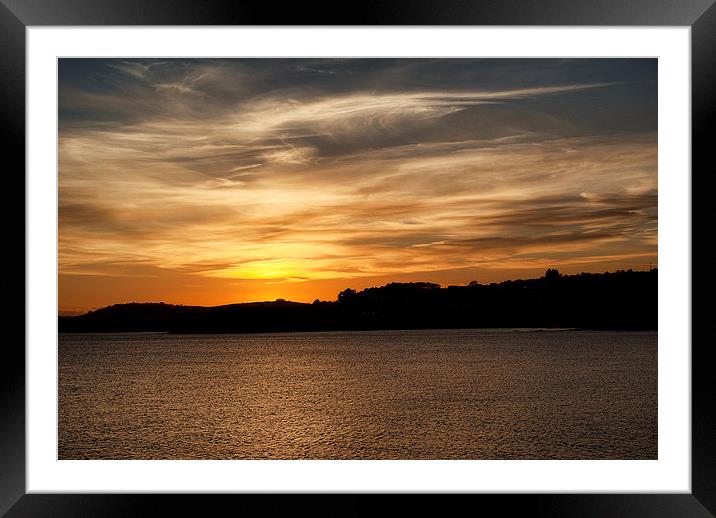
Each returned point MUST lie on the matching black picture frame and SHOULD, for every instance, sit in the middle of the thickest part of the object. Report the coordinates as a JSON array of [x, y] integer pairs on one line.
[[699, 15]]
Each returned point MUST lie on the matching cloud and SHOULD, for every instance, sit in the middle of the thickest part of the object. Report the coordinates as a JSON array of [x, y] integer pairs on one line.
[[134, 69], [496, 203], [179, 112]]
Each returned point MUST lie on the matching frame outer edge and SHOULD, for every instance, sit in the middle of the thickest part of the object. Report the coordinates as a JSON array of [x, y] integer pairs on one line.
[[12, 366], [371, 12], [703, 427]]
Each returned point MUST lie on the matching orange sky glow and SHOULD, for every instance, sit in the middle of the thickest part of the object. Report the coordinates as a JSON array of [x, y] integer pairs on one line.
[[208, 182]]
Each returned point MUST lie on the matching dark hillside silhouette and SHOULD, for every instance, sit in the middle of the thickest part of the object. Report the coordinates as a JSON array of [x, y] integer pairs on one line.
[[622, 300]]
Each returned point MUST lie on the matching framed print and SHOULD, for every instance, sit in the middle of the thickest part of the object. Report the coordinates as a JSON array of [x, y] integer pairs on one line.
[[415, 250]]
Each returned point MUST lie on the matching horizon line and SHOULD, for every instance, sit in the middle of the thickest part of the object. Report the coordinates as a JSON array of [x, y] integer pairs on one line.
[[74, 313]]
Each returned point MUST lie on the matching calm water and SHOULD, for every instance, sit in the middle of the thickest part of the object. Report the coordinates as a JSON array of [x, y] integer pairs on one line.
[[445, 394]]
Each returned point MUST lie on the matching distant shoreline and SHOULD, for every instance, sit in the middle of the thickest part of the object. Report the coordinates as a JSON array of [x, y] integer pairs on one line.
[[623, 300], [485, 329], [502, 330]]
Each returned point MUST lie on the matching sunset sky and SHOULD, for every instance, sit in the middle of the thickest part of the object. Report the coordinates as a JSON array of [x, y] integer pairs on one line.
[[214, 181]]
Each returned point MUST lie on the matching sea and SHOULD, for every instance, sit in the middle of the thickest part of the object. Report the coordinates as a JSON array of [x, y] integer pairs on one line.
[[416, 394]]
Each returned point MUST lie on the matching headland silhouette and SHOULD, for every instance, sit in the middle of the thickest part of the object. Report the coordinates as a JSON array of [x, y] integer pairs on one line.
[[622, 300]]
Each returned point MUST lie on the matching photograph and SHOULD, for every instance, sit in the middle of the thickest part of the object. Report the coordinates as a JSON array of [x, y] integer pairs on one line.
[[424, 249], [348, 258]]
